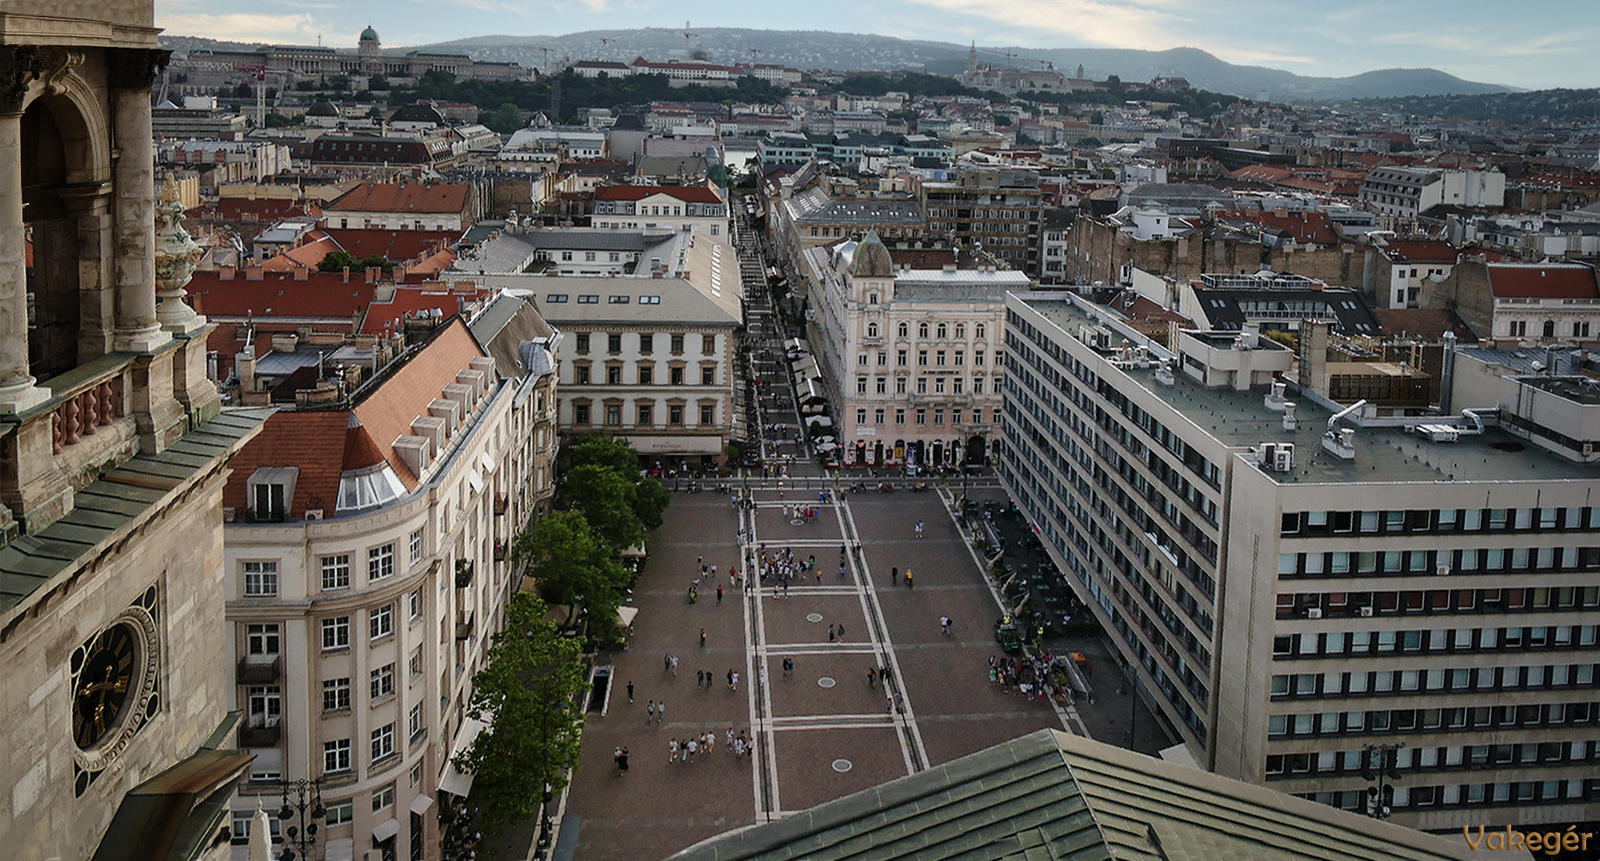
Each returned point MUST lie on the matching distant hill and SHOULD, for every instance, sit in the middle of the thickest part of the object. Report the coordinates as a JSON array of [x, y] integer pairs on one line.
[[852, 51], [1553, 106]]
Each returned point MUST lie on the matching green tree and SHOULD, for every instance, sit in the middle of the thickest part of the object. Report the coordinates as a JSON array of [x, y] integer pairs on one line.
[[1114, 83], [650, 502], [565, 556], [600, 449], [530, 691], [506, 119], [606, 499], [335, 261], [378, 82]]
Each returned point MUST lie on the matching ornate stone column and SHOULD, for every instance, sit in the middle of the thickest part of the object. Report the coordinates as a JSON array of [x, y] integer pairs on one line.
[[132, 71], [19, 66]]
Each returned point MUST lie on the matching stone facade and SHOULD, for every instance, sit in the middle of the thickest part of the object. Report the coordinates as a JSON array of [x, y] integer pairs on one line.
[[112, 453]]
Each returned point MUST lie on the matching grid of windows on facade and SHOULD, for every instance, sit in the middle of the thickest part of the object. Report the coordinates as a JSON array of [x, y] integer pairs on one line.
[[1463, 603], [1445, 521], [1460, 639], [1469, 795]]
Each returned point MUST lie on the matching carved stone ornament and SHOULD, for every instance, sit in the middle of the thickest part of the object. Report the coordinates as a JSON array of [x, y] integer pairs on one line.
[[176, 255], [20, 65], [59, 65], [135, 68]]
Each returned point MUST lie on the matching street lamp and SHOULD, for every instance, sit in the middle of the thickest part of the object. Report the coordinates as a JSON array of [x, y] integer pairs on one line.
[[306, 794], [1380, 767]]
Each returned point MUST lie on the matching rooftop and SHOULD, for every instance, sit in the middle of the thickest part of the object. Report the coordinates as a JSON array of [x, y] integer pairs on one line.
[[401, 197], [1053, 795], [1383, 454], [1543, 281]]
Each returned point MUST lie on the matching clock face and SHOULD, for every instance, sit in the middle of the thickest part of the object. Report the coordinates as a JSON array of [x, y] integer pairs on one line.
[[103, 684]]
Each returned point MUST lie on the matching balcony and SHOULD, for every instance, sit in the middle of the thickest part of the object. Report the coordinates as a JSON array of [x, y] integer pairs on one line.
[[261, 731], [501, 503], [464, 625], [463, 573], [260, 669]]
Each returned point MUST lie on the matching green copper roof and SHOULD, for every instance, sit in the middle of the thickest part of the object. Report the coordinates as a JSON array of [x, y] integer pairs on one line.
[[1050, 795]]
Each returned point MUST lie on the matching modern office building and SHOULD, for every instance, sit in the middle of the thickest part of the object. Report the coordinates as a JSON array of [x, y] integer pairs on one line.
[[1291, 583], [992, 209]]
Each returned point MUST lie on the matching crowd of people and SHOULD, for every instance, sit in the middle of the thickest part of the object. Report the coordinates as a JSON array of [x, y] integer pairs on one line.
[[1035, 675], [737, 745]]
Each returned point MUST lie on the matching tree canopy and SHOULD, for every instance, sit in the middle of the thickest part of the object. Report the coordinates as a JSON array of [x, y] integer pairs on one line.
[[606, 499], [529, 691]]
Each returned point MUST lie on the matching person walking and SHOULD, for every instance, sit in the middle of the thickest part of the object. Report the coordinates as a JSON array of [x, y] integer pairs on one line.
[[630, 691], [699, 679], [666, 663], [650, 712], [830, 633], [841, 572], [703, 630], [674, 665], [919, 529], [894, 576], [734, 686], [909, 584], [872, 677], [719, 598], [944, 625], [621, 756], [788, 668], [661, 712], [672, 750]]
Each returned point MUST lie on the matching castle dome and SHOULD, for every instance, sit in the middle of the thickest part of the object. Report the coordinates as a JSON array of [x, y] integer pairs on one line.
[[369, 34]]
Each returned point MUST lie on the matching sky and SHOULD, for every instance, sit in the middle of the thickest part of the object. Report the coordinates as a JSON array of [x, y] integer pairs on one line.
[[1534, 44]]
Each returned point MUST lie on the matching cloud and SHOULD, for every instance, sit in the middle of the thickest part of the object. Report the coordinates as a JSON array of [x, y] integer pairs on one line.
[[238, 26], [1101, 23]]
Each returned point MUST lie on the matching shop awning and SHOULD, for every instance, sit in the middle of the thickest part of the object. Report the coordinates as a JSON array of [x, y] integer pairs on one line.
[[455, 782], [626, 615], [385, 830], [421, 803]]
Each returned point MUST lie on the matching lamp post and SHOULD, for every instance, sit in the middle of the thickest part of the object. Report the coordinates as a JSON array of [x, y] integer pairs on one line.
[[301, 798], [1380, 767]]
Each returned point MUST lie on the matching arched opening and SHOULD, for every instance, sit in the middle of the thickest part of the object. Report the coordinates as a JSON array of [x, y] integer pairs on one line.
[[877, 451], [54, 158], [938, 453], [975, 450]]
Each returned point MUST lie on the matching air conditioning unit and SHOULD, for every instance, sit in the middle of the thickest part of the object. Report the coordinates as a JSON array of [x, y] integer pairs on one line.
[[1314, 613], [1441, 570], [313, 514], [1366, 612]]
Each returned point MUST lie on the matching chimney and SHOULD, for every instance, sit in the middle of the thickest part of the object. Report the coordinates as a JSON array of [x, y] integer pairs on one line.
[[226, 273], [347, 275], [244, 365]]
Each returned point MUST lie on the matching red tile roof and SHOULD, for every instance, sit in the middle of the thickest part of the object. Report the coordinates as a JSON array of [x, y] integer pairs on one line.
[[262, 209], [1540, 281], [686, 193], [321, 294], [1305, 227], [409, 301], [1420, 251], [314, 442], [387, 412], [397, 245], [401, 197], [303, 256]]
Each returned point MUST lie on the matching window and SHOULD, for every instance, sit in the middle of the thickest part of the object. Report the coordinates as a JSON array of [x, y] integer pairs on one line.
[[580, 414], [938, 417], [708, 414], [861, 385], [675, 376], [382, 745], [613, 414], [583, 342], [336, 756], [900, 386], [380, 562], [414, 663], [883, 385], [872, 330], [645, 415], [675, 414], [335, 695], [861, 360], [943, 331], [977, 331], [613, 375], [380, 622], [555, 298], [381, 681], [590, 299], [861, 416], [336, 633], [961, 331], [877, 416], [708, 375], [900, 358], [677, 343], [922, 385], [614, 341], [922, 330], [922, 417], [262, 640], [938, 358], [260, 579], [922, 358], [580, 375], [414, 726], [383, 797], [899, 417], [904, 330], [336, 572], [416, 546], [708, 344]]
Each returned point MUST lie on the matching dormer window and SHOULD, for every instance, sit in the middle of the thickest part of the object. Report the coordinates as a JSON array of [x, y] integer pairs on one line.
[[271, 492]]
